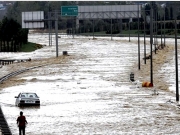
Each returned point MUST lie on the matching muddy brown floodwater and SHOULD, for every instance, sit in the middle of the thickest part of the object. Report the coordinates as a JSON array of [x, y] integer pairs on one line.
[[89, 92]]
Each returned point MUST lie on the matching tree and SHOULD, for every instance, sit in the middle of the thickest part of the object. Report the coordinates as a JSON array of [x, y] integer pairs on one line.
[[0, 36], [11, 34]]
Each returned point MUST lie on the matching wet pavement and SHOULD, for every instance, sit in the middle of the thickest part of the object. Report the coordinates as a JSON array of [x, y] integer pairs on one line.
[[89, 92]]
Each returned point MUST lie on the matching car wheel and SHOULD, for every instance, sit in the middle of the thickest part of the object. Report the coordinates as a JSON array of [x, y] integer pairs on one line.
[[19, 105]]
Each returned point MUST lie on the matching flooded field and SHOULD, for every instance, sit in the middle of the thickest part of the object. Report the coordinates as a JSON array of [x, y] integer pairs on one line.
[[88, 92]]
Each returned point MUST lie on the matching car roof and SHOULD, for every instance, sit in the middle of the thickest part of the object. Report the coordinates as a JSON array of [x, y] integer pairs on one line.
[[28, 93]]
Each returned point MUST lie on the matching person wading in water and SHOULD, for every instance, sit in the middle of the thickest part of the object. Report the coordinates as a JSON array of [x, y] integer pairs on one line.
[[21, 121]]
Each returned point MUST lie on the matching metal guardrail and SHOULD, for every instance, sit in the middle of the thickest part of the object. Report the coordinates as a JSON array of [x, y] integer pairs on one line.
[[7, 62], [16, 73]]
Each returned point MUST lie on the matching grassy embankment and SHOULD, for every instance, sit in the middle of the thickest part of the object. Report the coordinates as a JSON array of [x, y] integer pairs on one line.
[[29, 47]]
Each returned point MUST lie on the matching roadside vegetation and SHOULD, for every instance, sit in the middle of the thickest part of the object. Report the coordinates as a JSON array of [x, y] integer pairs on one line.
[[29, 47]]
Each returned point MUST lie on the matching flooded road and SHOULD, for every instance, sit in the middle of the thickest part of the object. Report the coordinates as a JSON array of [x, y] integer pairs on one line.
[[89, 92]]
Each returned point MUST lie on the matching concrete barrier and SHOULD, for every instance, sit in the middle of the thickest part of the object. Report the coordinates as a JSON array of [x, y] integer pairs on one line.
[[1, 132], [3, 124]]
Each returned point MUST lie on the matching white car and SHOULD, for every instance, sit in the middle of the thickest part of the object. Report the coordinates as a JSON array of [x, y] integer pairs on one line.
[[24, 99]]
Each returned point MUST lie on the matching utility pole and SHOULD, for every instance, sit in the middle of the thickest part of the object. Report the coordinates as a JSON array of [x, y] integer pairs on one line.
[[174, 16], [151, 42], [164, 24], [138, 42], [144, 37], [56, 29], [176, 53]]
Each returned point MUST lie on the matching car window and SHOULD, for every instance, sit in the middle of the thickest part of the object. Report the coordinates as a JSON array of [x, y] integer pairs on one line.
[[29, 95], [23, 95], [35, 95]]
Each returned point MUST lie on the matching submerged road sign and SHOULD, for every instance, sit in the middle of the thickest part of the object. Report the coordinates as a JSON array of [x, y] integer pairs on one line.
[[69, 10]]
